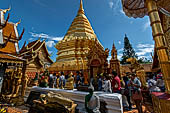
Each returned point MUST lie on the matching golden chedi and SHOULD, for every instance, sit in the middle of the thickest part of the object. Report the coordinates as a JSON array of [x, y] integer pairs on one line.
[[79, 47]]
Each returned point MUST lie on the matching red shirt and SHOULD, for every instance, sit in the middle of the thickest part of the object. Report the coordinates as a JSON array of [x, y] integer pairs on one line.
[[116, 85]]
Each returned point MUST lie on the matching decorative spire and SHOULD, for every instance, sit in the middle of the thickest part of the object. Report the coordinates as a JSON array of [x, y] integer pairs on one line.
[[113, 47], [18, 22], [114, 52], [81, 10], [5, 10]]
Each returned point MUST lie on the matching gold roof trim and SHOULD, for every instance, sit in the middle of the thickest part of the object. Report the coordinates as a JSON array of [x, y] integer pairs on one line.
[[10, 61]]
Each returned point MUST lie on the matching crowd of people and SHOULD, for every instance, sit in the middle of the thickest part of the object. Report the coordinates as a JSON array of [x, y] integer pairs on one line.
[[57, 80], [129, 85], [132, 88]]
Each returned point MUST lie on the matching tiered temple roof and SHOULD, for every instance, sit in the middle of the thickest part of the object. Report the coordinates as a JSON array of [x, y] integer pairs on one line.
[[31, 52], [9, 39], [80, 25]]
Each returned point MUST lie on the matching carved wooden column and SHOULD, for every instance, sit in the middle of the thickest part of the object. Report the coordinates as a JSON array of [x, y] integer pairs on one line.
[[160, 42]]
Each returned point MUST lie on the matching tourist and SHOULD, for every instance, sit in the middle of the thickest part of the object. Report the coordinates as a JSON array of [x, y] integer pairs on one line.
[[62, 80], [116, 85], [92, 102], [135, 85], [152, 84], [99, 82], [55, 80], [81, 78], [35, 80], [160, 81], [107, 85], [44, 82], [127, 91], [51, 81], [74, 80], [78, 81]]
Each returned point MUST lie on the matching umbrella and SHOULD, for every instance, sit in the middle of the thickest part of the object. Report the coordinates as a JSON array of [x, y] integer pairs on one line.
[[137, 8]]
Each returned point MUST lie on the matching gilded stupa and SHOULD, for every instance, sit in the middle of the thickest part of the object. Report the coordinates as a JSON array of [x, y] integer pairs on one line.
[[80, 49]]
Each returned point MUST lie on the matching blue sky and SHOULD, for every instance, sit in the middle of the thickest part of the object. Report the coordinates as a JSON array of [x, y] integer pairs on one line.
[[52, 18]]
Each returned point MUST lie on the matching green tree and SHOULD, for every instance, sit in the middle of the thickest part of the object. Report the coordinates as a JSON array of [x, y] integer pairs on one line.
[[128, 51]]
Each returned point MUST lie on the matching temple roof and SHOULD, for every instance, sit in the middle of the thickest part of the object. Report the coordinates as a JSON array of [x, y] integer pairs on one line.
[[80, 25], [10, 28], [10, 58], [11, 47], [33, 47]]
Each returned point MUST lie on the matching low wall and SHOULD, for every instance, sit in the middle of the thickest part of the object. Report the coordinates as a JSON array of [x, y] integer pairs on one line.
[[113, 100]]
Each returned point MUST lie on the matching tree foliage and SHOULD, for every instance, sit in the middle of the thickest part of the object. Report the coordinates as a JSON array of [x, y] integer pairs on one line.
[[128, 51]]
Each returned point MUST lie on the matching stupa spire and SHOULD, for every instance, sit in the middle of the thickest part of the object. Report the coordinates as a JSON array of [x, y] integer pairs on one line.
[[81, 10]]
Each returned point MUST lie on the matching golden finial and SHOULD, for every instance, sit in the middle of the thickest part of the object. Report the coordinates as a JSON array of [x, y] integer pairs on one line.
[[18, 22], [5, 10], [81, 10]]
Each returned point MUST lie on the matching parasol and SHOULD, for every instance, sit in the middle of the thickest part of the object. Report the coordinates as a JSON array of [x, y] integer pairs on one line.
[[137, 8]]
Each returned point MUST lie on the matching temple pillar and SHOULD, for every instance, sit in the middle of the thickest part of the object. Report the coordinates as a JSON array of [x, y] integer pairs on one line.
[[160, 42], [160, 100]]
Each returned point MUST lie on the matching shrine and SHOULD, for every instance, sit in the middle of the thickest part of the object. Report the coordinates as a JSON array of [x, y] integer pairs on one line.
[[80, 49], [114, 62], [37, 57]]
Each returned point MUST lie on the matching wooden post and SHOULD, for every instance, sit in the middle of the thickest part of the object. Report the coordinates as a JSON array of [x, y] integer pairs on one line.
[[160, 42]]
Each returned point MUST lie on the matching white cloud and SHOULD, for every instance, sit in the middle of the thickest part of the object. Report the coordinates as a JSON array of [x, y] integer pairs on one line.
[[31, 39], [109, 58], [120, 42], [119, 56], [120, 50], [50, 43], [46, 36], [115, 5], [144, 50], [50, 39], [50, 52], [122, 12], [146, 25], [145, 46], [111, 4]]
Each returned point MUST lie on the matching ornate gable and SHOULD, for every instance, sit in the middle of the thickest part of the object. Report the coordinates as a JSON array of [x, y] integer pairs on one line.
[[36, 50]]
